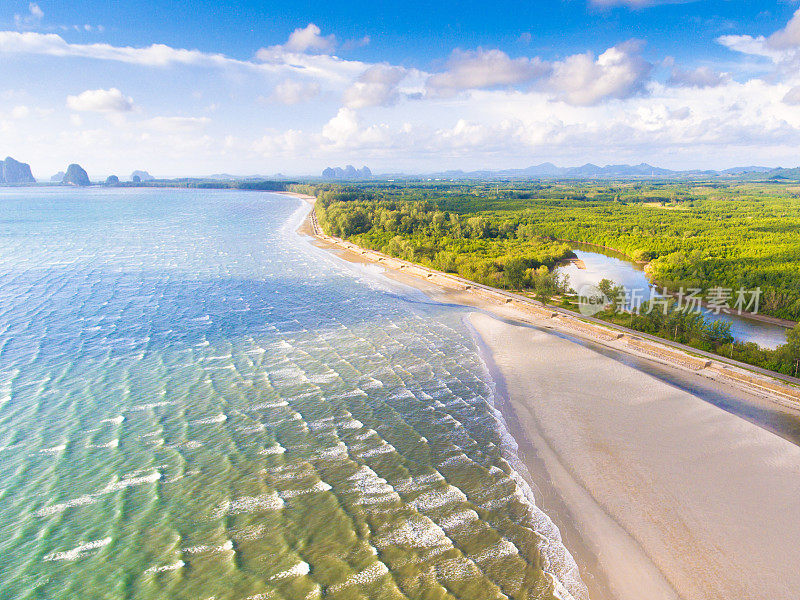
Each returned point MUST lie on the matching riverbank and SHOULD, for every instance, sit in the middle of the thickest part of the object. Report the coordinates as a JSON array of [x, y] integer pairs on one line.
[[647, 482], [642, 267]]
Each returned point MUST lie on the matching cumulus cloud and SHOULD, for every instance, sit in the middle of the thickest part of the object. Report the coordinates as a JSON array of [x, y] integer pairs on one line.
[[781, 47], [788, 37], [306, 40], [583, 80], [701, 77], [111, 100], [341, 127], [484, 69], [31, 19], [292, 92], [345, 132], [310, 38], [680, 114], [792, 97], [515, 107], [292, 142], [377, 86]]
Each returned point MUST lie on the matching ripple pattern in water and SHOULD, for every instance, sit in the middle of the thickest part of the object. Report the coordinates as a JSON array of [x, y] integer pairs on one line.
[[197, 403]]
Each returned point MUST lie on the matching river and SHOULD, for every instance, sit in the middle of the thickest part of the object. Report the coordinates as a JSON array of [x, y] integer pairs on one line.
[[606, 264]]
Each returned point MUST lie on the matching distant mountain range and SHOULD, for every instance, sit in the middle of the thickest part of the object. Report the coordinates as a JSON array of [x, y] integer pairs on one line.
[[17, 173], [349, 173], [591, 171]]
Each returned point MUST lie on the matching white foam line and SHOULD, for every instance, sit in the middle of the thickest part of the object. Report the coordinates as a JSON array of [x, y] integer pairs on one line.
[[79, 551], [150, 405], [227, 546], [112, 444], [173, 567], [320, 486], [250, 504], [54, 449], [301, 568], [276, 449], [93, 498], [368, 575], [125, 483], [220, 418]]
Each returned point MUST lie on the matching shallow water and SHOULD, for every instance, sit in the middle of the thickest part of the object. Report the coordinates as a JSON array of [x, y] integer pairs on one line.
[[195, 402], [611, 265]]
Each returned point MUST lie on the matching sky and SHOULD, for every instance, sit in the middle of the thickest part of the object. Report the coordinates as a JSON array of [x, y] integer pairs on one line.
[[193, 89]]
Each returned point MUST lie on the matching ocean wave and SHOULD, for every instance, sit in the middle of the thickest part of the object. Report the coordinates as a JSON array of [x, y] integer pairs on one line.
[[79, 551], [166, 568]]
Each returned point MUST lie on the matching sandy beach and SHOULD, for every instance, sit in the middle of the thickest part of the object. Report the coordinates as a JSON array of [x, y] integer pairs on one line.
[[658, 493]]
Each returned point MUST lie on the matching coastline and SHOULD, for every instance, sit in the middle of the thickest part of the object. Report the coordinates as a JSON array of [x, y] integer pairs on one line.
[[658, 493], [614, 532], [449, 288]]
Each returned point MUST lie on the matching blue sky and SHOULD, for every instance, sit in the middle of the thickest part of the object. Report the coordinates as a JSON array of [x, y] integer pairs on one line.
[[265, 87]]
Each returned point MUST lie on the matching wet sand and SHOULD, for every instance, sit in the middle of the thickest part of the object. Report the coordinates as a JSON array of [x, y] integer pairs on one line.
[[658, 493]]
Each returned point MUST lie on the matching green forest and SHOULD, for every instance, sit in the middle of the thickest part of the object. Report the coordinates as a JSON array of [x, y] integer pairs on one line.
[[691, 234]]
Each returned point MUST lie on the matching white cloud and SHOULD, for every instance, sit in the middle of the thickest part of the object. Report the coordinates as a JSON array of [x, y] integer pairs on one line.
[[288, 143], [342, 127], [580, 108], [155, 55], [292, 92], [20, 112], [701, 77], [359, 43], [277, 62], [30, 20], [680, 114], [484, 69], [782, 47], [309, 38], [792, 97], [789, 36], [301, 42], [377, 86], [111, 100], [619, 72]]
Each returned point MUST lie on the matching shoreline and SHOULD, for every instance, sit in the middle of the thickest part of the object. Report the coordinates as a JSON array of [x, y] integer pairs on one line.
[[780, 389], [659, 494], [613, 534]]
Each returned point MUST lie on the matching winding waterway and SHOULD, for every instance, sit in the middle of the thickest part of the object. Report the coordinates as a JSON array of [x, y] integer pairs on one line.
[[601, 264]]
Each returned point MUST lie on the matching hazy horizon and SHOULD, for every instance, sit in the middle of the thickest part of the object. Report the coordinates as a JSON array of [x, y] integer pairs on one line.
[[125, 175]]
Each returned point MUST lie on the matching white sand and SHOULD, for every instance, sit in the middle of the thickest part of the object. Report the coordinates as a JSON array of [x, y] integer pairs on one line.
[[670, 496]]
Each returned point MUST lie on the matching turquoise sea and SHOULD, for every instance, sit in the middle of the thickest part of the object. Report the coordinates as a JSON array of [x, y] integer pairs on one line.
[[197, 403]]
